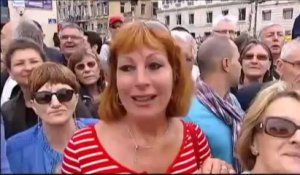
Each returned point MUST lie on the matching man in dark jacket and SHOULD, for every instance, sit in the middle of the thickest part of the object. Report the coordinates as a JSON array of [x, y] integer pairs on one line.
[[51, 53], [296, 28]]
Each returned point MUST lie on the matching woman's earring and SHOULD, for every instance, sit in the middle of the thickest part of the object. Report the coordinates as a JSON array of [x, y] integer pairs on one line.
[[254, 151]]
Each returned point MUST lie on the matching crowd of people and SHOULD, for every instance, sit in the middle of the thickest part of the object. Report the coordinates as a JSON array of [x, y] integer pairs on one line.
[[150, 100]]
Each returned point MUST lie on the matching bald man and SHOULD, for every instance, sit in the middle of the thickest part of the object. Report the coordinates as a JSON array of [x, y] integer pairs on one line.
[[214, 107]]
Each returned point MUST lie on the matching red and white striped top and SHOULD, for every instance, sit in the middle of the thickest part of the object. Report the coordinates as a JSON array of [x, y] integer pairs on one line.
[[85, 154]]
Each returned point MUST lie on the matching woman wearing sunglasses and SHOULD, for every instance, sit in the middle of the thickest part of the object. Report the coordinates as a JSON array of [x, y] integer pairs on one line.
[[270, 135], [257, 63], [53, 89], [148, 88], [86, 66]]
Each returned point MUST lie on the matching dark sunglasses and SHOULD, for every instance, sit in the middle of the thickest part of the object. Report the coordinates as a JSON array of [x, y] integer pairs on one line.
[[45, 97], [90, 64], [278, 127]]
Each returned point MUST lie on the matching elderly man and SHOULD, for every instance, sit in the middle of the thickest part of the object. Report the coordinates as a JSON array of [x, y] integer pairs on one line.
[[71, 37], [188, 46], [273, 36], [288, 68], [225, 26], [214, 106]]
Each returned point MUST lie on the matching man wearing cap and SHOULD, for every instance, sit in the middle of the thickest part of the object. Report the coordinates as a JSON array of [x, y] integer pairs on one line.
[[115, 22]]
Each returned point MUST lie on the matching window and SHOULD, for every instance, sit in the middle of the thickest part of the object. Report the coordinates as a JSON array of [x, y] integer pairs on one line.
[[154, 8], [190, 2], [178, 19], [266, 15], [225, 12], [92, 26], [242, 14], [208, 1], [209, 17], [143, 9], [99, 26], [191, 18], [122, 7], [167, 20], [288, 13]]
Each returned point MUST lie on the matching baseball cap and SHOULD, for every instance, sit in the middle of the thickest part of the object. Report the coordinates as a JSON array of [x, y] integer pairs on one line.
[[115, 18]]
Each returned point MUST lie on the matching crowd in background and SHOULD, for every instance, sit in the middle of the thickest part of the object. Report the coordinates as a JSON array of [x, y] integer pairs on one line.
[[150, 99]]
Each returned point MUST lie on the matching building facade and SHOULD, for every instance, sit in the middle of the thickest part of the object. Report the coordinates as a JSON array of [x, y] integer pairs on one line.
[[198, 16], [93, 14], [44, 13]]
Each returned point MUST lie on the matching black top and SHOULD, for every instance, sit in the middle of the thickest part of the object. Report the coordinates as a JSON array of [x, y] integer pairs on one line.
[[31, 118]]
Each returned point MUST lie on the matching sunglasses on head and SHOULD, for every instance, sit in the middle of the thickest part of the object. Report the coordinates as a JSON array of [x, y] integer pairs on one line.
[[90, 64], [278, 127], [45, 97]]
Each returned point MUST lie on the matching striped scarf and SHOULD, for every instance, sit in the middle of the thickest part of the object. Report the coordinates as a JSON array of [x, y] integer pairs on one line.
[[224, 108]]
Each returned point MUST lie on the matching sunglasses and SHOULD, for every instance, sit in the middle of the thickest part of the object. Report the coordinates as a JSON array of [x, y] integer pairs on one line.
[[90, 64], [260, 57], [45, 97], [278, 127]]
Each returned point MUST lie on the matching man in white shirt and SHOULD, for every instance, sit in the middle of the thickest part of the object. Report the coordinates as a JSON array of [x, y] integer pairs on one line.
[[115, 22]]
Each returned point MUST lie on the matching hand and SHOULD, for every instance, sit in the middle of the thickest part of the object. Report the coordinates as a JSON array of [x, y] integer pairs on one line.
[[216, 166]]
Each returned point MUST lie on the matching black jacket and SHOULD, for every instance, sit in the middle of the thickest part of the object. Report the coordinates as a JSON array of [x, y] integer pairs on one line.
[[14, 114]]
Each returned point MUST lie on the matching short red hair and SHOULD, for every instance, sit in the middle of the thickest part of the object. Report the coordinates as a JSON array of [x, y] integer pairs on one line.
[[131, 37]]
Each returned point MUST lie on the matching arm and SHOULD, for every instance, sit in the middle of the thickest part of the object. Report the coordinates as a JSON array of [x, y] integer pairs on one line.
[[4, 162]]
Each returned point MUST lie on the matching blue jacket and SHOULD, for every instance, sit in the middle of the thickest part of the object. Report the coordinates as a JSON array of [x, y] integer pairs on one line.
[[218, 133], [4, 162], [30, 152]]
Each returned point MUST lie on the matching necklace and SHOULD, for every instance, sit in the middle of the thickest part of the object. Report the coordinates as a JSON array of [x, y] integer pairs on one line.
[[138, 147]]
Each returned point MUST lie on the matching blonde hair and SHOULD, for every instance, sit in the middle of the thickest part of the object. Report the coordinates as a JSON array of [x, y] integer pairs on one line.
[[254, 116]]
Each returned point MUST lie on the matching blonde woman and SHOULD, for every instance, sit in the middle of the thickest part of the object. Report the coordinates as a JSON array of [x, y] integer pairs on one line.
[[270, 135]]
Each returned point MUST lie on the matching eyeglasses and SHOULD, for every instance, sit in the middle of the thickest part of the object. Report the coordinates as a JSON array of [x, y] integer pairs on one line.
[[45, 97], [72, 37], [90, 64], [231, 32], [278, 127], [260, 57], [295, 64]]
